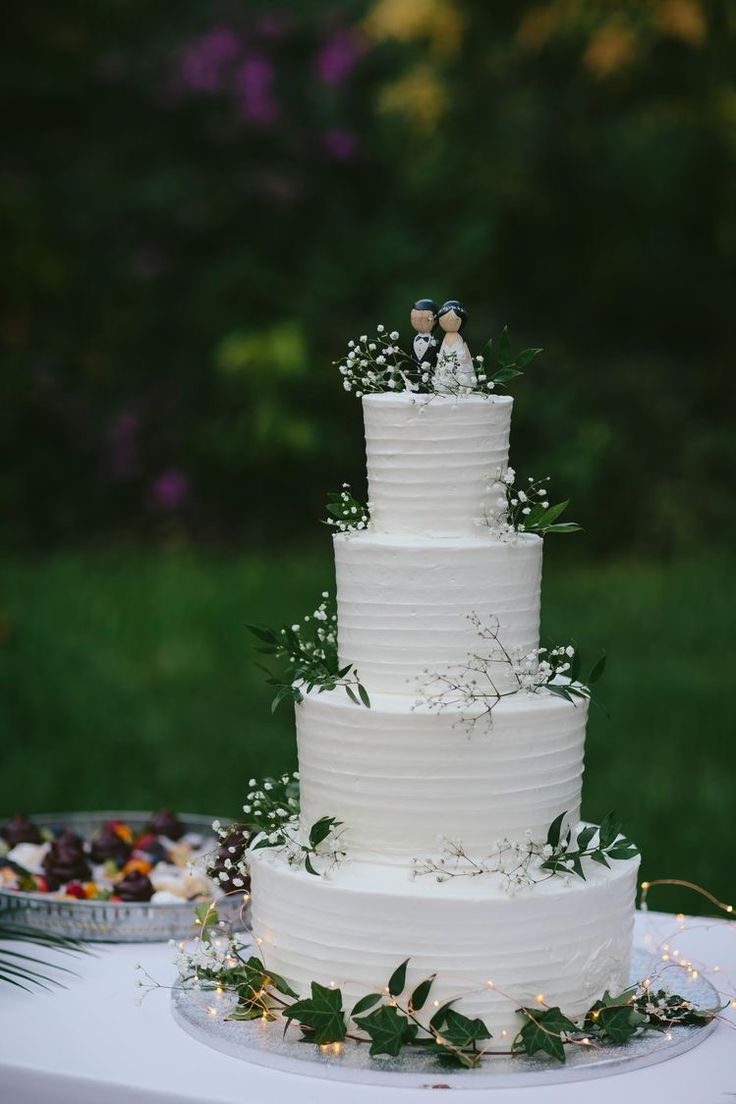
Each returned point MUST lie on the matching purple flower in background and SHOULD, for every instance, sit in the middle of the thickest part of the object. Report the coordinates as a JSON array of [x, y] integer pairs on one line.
[[170, 490], [337, 57], [202, 63], [122, 444], [340, 144], [254, 90]]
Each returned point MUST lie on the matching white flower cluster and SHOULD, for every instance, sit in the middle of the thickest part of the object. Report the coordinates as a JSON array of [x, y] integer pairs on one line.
[[506, 514], [375, 364], [347, 514], [273, 805], [541, 666], [315, 640]]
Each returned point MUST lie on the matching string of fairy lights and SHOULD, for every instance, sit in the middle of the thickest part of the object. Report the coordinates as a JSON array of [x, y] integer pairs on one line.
[[664, 953]]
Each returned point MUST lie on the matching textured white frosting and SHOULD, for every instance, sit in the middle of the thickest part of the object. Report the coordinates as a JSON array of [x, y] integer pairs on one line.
[[431, 459], [403, 604], [398, 779], [566, 942]]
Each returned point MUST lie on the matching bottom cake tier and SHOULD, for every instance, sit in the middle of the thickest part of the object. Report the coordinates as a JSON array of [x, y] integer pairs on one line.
[[558, 942]]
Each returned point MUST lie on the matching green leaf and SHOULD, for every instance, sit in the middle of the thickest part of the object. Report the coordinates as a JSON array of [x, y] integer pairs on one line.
[[553, 512], [503, 375], [262, 633], [418, 999], [249, 1011], [526, 356], [439, 1017], [504, 347], [618, 1024], [351, 693], [397, 981], [542, 1032], [320, 830], [321, 1015], [207, 919], [279, 984], [388, 1029], [309, 868], [461, 1031], [553, 834], [364, 695], [365, 1003], [624, 849], [585, 836], [563, 527], [609, 831], [597, 670]]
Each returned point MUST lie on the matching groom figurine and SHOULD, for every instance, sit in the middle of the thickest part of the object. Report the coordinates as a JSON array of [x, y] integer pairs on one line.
[[424, 319]]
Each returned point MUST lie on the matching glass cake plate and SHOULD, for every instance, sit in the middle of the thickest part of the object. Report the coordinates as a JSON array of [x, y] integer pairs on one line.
[[201, 1014], [113, 921]]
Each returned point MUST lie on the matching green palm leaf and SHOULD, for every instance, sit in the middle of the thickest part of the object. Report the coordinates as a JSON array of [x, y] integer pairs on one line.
[[19, 969]]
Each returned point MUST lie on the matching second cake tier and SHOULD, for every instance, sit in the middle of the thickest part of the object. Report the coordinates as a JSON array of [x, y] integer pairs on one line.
[[404, 780], [408, 608]]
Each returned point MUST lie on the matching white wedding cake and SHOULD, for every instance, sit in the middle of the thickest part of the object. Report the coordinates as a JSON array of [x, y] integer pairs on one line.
[[444, 804]]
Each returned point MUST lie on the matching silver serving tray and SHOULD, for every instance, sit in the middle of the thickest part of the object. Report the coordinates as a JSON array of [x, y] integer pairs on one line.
[[114, 921]]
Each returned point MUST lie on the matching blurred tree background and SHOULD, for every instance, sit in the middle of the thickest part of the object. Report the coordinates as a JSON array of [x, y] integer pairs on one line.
[[203, 203]]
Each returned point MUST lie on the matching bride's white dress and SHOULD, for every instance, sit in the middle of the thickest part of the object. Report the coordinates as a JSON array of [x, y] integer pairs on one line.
[[454, 370]]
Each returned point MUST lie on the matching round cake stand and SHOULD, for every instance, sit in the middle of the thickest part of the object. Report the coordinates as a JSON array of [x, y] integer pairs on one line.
[[201, 1013]]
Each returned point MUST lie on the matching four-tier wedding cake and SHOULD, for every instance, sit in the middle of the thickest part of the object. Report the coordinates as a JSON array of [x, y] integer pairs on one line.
[[457, 774]]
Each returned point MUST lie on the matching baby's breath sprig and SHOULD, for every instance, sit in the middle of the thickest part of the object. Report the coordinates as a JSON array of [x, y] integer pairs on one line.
[[529, 510], [377, 364], [346, 512], [308, 651], [475, 688], [522, 863]]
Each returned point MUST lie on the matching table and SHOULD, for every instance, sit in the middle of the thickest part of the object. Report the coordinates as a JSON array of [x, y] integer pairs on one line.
[[94, 1043]]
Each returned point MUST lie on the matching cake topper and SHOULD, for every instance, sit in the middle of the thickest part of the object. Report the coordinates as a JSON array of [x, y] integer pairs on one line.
[[424, 319], [454, 368]]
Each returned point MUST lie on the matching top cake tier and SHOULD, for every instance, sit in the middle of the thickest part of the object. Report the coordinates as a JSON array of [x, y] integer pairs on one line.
[[434, 461]]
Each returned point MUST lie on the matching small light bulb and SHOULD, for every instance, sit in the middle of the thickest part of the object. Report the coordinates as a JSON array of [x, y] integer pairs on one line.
[[539, 998], [489, 983]]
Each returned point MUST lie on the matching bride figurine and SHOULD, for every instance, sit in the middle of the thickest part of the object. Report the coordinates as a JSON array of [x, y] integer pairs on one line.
[[454, 372]]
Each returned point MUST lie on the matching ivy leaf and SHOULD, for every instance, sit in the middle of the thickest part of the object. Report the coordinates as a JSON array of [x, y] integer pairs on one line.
[[461, 1031], [364, 1004], [388, 1029], [553, 834], [279, 984], [418, 999], [597, 670], [250, 1011], [542, 1032], [397, 981], [439, 1017], [618, 1024], [207, 919], [321, 1014]]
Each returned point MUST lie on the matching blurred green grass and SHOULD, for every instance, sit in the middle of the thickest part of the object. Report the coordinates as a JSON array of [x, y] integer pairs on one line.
[[129, 680]]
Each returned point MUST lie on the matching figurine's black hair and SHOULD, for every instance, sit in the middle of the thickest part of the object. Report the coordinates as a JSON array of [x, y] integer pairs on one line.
[[456, 306], [426, 304]]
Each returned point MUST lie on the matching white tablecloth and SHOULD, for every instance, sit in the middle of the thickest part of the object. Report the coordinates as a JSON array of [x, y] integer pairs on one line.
[[93, 1043]]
